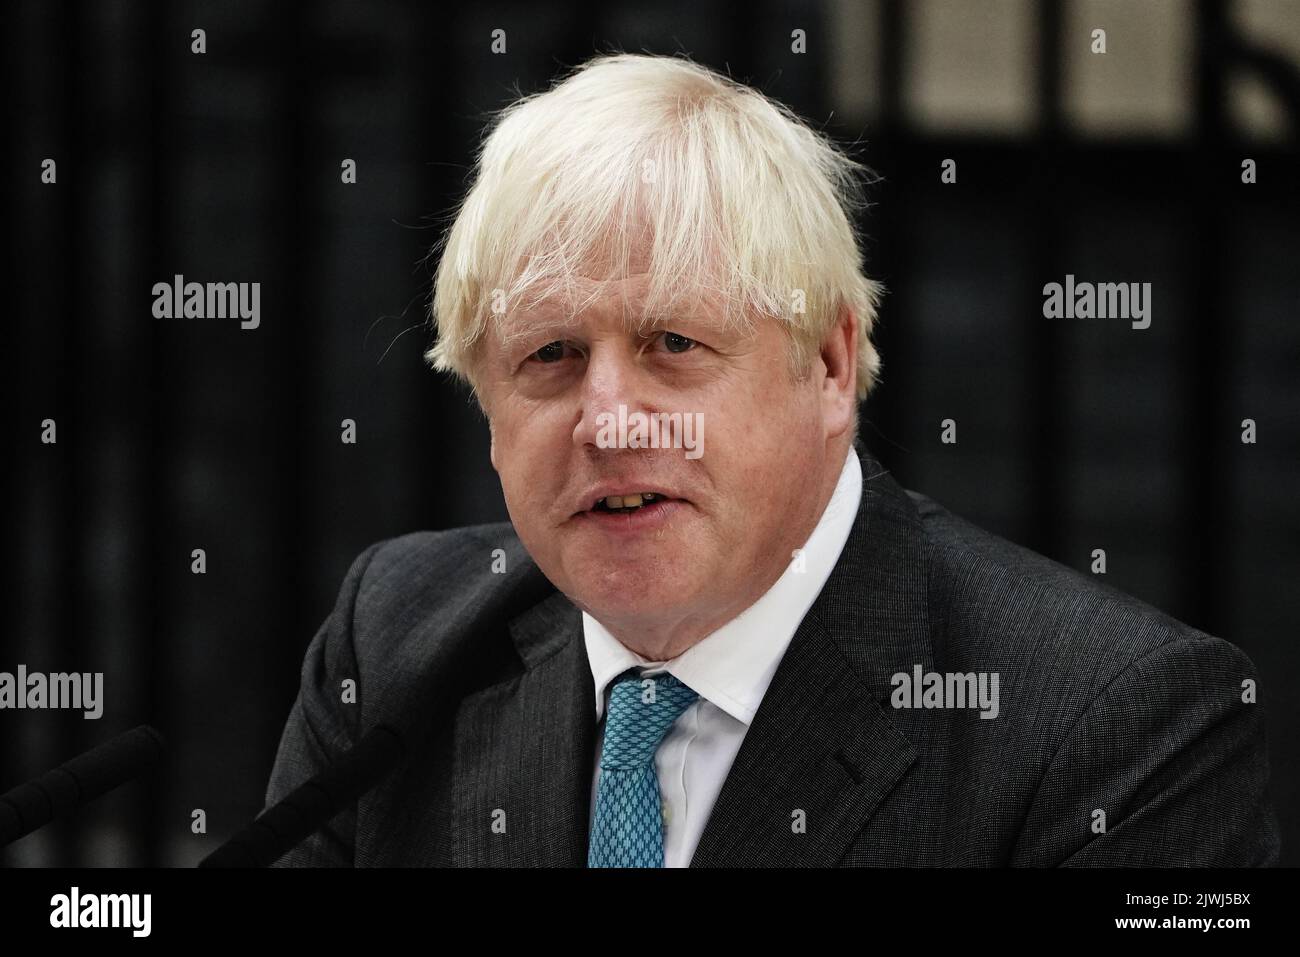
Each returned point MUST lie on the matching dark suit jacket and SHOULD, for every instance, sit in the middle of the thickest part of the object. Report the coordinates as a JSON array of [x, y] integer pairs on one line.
[[1104, 703]]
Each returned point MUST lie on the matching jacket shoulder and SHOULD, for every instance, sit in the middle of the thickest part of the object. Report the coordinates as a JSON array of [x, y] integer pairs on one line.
[[1101, 694], [436, 606], [992, 600], [454, 559]]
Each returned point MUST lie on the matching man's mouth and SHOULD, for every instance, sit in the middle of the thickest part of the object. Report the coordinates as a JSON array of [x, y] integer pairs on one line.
[[614, 508], [627, 503]]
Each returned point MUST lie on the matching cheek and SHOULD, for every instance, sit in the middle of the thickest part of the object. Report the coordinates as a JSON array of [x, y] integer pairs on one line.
[[761, 434], [509, 459], [528, 513], [514, 442], [531, 474]]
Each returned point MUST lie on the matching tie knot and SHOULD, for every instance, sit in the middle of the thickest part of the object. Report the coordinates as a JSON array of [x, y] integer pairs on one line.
[[641, 710]]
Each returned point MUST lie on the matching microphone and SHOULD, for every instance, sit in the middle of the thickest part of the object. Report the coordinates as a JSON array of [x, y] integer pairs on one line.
[[56, 794], [307, 809]]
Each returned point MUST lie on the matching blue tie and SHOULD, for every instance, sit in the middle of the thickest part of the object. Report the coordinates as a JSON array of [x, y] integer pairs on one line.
[[627, 829]]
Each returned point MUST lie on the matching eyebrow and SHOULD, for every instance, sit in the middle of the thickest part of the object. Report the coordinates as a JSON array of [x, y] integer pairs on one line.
[[515, 326], [551, 314], [518, 333]]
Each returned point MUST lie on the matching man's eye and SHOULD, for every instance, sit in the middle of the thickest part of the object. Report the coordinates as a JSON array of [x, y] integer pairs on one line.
[[551, 352], [678, 343]]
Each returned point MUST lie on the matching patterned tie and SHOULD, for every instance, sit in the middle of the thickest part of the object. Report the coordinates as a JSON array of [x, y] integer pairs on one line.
[[627, 830]]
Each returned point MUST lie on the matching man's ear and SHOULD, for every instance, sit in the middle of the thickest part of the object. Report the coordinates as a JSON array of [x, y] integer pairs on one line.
[[839, 357], [492, 445]]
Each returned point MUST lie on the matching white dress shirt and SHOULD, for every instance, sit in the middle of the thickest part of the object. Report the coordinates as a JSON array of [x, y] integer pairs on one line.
[[730, 670]]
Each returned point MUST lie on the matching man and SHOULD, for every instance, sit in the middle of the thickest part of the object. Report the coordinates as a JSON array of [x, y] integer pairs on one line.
[[715, 630]]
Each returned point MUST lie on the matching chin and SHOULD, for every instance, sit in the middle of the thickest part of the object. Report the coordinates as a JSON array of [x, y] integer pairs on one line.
[[628, 596]]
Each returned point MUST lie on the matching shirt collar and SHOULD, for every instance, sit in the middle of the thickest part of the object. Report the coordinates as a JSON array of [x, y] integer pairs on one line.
[[733, 666]]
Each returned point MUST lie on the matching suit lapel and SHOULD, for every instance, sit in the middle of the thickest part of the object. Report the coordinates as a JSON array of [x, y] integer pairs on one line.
[[524, 750], [818, 759], [822, 752]]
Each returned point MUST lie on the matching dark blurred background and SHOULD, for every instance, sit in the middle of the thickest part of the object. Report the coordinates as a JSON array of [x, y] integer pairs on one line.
[[225, 166]]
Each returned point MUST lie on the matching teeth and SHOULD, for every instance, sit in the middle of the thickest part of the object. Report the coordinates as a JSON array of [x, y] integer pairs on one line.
[[630, 501]]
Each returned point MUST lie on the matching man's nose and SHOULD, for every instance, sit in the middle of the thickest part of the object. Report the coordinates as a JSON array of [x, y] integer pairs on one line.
[[611, 379]]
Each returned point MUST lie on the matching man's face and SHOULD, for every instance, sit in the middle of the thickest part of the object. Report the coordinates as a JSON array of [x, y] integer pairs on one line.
[[727, 515]]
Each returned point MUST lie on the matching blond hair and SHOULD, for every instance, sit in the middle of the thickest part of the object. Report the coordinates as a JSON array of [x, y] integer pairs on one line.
[[733, 193]]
